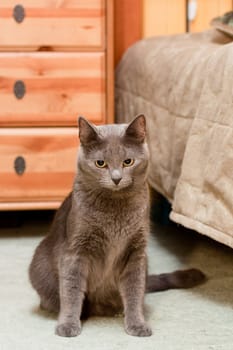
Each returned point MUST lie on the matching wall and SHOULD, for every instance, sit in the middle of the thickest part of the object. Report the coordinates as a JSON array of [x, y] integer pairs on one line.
[[207, 10], [162, 17], [136, 19], [128, 25]]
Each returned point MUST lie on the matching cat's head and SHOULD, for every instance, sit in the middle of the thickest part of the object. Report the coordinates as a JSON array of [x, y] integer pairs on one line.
[[113, 157]]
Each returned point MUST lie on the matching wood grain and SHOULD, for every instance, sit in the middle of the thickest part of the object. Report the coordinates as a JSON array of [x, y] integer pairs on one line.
[[6, 206], [206, 11], [76, 79], [59, 87], [53, 24], [50, 155], [163, 17], [110, 62]]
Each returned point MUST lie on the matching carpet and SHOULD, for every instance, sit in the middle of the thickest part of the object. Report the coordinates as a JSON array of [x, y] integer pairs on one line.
[[199, 318]]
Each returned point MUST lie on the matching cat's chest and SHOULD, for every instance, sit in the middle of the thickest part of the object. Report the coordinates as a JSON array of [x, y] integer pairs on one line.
[[113, 247], [110, 236], [105, 271], [118, 223]]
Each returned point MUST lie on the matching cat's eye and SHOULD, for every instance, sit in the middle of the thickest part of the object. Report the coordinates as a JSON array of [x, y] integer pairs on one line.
[[128, 162], [100, 164]]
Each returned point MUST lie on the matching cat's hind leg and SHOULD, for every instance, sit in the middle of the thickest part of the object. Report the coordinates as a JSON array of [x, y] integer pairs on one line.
[[50, 306], [43, 278]]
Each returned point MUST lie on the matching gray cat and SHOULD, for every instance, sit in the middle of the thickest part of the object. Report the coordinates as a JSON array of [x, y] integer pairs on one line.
[[93, 261]]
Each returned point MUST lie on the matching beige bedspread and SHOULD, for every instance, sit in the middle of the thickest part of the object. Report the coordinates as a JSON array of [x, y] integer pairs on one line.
[[184, 86]]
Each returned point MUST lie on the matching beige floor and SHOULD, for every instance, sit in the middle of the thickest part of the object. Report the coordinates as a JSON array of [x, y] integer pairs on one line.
[[199, 318]]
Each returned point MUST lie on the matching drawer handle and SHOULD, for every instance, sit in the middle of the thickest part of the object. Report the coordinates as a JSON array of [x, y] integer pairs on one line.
[[19, 89], [20, 165], [19, 13]]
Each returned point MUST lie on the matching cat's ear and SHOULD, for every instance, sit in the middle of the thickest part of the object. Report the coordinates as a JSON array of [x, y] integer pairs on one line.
[[136, 130], [87, 132]]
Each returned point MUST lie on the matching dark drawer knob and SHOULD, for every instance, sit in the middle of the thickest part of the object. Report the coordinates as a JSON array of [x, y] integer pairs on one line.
[[19, 89], [19, 13], [20, 165]]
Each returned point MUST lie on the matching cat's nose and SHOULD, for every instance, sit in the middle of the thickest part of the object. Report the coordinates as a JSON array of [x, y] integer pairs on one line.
[[116, 176], [116, 181]]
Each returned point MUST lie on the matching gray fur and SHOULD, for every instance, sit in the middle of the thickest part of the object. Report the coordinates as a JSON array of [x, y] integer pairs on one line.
[[93, 261]]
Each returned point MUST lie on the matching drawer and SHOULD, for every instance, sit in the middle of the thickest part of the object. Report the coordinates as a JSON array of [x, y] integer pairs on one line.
[[51, 89], [36, 24], [36, 165]]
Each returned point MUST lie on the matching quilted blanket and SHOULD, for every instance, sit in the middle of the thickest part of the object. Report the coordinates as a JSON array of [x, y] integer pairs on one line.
[[184, 86]]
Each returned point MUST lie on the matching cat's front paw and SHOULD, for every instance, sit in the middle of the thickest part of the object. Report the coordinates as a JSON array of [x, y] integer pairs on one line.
[[138, 330], [68, 329]]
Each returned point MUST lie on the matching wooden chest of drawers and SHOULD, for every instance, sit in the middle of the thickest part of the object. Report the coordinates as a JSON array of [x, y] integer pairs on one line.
[[57, 87], [56, 62], [60, 24]]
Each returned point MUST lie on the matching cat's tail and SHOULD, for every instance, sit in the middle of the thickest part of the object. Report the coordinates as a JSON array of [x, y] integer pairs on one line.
[[177, 279]]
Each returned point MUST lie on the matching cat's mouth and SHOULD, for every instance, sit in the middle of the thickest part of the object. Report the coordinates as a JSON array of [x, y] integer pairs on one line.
[[117, 187], [122, 186]]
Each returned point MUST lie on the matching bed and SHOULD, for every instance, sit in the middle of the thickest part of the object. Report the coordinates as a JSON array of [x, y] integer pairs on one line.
[[184, 86]]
